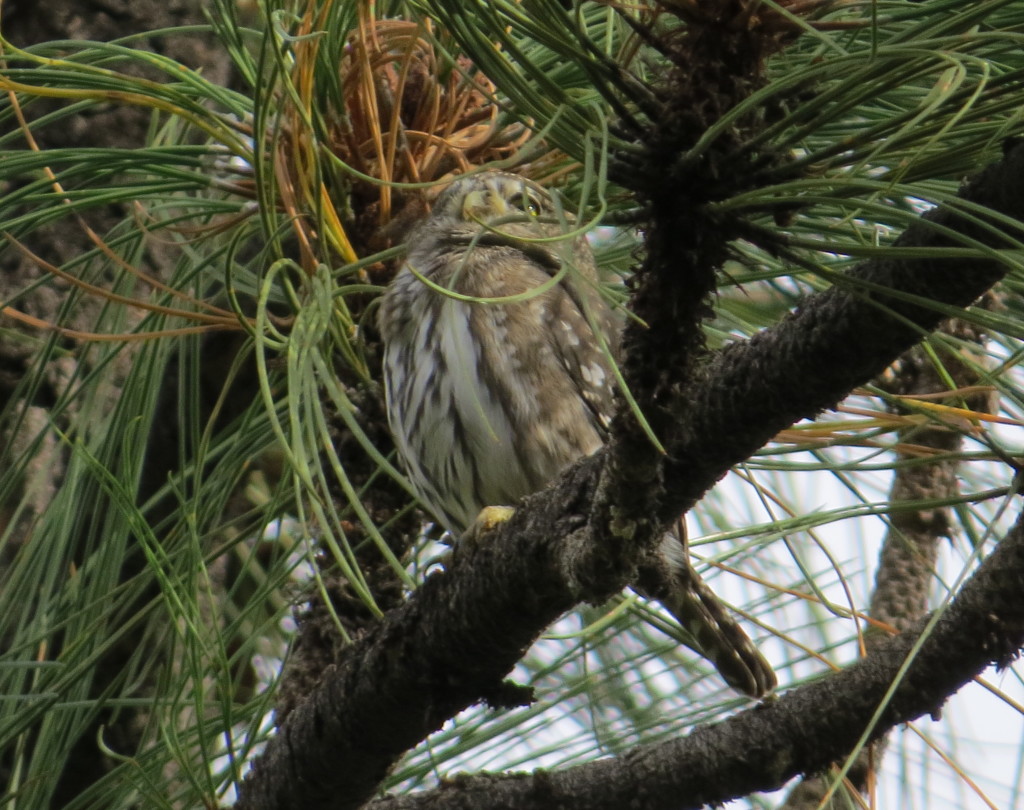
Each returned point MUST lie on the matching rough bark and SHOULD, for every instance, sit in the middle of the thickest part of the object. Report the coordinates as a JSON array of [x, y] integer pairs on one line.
[[804, 730]]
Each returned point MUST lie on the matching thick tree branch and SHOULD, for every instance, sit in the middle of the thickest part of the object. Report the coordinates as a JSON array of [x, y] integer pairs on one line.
[[836, 340], [462, 632], [805, 730], [715, 66]]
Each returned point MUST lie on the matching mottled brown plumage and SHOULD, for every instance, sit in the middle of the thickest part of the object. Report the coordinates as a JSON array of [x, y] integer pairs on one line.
[[489, 400]]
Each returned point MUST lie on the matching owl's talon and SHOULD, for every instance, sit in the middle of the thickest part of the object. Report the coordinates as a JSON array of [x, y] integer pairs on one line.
[[489, 519]]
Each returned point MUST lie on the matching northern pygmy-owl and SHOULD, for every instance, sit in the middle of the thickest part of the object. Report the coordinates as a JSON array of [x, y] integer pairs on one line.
[[489, 400]]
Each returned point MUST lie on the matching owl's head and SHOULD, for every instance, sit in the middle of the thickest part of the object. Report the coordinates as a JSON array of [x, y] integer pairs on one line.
[[500, 203], [484, 215]]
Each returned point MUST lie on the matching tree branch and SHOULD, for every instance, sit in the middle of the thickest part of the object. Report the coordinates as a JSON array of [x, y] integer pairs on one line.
[[457, 637], [806, 730], [838, 339]]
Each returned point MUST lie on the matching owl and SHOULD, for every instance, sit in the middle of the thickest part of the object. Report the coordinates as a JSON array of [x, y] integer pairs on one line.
[[498, 352]]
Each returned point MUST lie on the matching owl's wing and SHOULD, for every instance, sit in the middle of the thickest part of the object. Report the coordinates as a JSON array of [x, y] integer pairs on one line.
[[579, 316]]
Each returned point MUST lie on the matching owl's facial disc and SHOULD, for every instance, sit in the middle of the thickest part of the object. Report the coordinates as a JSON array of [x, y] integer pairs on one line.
[[504, 201], [503, 210]]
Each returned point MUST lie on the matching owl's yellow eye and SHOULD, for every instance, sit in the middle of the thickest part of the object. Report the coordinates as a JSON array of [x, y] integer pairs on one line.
[[527, 201]]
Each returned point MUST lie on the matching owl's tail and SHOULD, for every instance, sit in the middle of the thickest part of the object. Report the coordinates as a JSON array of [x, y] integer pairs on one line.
[[717, 636]]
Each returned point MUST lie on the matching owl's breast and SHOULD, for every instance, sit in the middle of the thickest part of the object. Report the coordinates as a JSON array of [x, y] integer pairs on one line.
[[484, 399]]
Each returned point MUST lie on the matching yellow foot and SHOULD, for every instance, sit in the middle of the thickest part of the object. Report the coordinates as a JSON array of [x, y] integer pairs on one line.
[[489, 519]]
